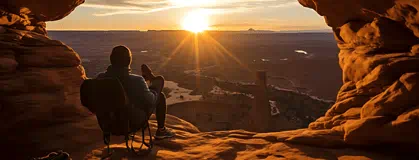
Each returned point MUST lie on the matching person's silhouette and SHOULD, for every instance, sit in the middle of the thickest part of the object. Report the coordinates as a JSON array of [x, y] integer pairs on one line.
[[137, 90]]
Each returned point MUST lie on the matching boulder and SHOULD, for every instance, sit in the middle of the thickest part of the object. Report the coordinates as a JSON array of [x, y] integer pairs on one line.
[[39, 81], [379, 58]]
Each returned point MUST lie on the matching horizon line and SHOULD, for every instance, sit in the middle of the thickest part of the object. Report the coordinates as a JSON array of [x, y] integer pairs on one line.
[[157, 30]]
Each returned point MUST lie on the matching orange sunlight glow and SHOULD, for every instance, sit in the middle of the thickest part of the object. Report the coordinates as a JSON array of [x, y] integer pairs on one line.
[[192, 2], [196, 21]]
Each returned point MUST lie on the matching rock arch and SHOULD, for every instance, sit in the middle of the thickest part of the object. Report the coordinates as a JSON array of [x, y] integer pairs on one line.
[[378, 103]]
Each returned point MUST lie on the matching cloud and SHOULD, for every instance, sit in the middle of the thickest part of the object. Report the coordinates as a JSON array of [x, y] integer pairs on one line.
[[290, 4], [114, 7]]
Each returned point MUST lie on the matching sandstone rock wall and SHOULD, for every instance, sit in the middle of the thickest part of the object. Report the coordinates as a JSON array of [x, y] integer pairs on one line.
[[379, 101], [39, 77]]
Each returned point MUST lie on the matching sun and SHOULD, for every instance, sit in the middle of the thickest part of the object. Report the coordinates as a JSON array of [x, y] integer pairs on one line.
[[196, 21]]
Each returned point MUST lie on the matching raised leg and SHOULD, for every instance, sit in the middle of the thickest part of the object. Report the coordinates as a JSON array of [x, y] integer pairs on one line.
[[161, 110]]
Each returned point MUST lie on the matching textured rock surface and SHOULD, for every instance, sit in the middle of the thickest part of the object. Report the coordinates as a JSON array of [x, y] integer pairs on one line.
[[39, 77], [39, 81], [234, 144], [379, 56], [31, 15], [83, 140]]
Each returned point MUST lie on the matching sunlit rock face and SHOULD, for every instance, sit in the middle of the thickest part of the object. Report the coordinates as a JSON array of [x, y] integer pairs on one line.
[[39, 77], [32, 14], [379, 101]]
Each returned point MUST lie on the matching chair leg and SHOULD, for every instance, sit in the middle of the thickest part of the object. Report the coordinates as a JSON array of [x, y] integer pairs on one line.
[[139, 152], [109, 149], [126, 143], [151, 137], [107, 140]]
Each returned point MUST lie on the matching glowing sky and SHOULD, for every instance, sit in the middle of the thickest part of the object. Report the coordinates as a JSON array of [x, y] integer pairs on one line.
[[168, 14]]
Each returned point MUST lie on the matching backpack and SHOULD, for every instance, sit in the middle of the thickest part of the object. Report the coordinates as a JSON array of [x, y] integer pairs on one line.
[[116, 116]]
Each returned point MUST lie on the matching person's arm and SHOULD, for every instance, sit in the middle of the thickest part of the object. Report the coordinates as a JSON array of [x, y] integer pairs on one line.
[[140, 90]]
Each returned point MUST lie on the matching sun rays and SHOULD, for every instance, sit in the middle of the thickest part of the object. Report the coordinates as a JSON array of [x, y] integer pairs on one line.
[[197, 21], [173, 53], [218, 52], [197, 62], [226, 52]]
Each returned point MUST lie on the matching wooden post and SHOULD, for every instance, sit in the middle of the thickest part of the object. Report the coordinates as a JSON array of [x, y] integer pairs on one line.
[[261, 111]]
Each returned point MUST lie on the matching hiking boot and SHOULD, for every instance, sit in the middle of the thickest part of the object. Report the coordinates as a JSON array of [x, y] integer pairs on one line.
[[146, 72], [164, 133]]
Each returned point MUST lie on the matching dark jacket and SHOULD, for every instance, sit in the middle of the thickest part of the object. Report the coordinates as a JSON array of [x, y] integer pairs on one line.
[[135, 86]]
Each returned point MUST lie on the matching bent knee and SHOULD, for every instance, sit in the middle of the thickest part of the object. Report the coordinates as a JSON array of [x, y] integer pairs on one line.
[[162, 95], [159, 78]]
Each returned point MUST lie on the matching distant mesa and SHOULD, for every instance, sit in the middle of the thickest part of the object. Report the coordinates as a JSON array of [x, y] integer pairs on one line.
[[152, 30], [252, 30]]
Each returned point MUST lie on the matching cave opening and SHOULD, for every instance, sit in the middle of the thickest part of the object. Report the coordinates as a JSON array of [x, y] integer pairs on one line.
[[376, 49], [297, 50]]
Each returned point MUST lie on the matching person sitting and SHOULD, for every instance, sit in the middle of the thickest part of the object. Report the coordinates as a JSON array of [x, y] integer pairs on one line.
[[136, 88]]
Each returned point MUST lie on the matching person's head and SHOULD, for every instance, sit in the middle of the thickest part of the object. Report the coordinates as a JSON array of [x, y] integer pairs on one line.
[[121, 57]]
